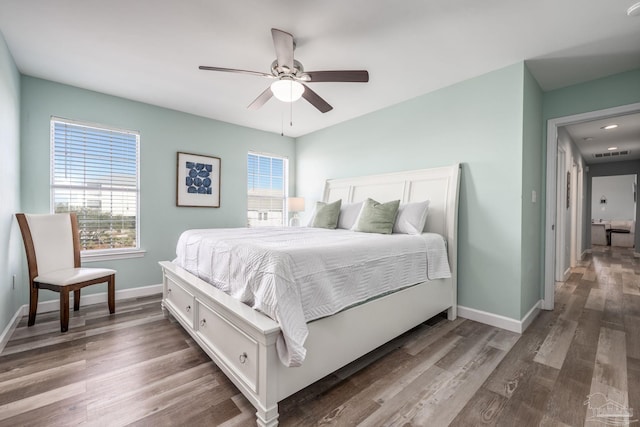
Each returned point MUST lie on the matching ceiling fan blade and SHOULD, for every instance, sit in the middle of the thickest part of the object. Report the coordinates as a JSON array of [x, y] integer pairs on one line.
[[315, 100], [261, 99], [233, 70], [357, 76], [283, 43]]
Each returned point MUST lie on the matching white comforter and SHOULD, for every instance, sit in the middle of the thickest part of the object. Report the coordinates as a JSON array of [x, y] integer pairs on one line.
[[295, 275]]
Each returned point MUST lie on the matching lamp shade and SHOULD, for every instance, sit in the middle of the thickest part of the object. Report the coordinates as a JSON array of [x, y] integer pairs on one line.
[[295, 204], [287, 90]]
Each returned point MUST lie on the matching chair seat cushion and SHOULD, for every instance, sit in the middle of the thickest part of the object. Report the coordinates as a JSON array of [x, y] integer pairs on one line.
[[69, 276]]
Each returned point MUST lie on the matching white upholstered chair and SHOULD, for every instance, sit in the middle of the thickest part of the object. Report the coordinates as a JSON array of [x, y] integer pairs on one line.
[[52, 245]]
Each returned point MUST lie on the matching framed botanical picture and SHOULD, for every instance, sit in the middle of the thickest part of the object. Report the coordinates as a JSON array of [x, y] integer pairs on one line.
[[198, 181]]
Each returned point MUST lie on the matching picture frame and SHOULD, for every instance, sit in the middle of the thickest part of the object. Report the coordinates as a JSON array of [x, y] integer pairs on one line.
[[198, 180]]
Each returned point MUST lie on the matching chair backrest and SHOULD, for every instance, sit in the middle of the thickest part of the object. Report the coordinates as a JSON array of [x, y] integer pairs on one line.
[[51, 241]]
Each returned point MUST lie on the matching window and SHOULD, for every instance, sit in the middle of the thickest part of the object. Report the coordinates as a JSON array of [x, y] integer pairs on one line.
[[267, 178], [94, 172]]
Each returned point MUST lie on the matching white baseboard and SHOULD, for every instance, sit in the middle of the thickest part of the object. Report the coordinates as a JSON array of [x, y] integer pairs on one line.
[[531, 315], [566, 274], [13, 323], [54, 305], [502, 322]]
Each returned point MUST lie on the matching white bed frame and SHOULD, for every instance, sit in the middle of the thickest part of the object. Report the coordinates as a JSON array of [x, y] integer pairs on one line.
[[242, 341]]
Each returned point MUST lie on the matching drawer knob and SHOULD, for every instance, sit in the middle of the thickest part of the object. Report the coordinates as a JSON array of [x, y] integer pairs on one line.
[[203, 322], [168, 291], [243, 358], [188, 308]]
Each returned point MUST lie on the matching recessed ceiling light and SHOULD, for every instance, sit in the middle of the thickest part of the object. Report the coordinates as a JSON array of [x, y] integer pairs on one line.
[[612, 148], [609, 127], [634, 10], [588, 138]]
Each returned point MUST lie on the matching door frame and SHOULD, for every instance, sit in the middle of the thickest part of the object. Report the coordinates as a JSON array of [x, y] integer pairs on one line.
[[551, 188], [580, 212], [561, 214]]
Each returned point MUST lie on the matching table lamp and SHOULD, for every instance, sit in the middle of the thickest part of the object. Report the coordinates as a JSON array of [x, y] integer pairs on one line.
[[295, 205]]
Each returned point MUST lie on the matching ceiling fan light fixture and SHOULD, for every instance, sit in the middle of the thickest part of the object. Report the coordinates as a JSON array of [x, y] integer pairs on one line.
[[634, 10], [287, 90]]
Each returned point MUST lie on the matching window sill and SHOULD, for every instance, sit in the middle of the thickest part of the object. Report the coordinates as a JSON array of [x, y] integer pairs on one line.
[[111, 255]]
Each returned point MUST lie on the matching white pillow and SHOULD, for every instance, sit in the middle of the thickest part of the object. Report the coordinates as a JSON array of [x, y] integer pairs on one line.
[[411, 218], [348, 215]]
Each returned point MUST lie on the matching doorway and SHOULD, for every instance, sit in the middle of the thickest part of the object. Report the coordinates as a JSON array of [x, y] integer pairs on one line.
[[613, 208], [554, 226]]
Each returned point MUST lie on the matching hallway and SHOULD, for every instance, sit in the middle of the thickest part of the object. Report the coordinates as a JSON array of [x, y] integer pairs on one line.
[[589, 344]]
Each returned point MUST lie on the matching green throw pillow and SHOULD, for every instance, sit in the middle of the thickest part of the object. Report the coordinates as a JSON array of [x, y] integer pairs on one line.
[[377, 217], [326, 215]]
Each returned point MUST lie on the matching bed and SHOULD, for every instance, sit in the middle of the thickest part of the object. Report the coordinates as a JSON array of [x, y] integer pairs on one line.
[[243, 341]]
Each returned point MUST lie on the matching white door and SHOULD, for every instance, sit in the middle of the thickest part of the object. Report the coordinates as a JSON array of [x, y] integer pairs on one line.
[[561, 203], [573, 200], [580, 211]]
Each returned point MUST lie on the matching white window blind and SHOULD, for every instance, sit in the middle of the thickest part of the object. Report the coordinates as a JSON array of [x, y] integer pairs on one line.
[[267, 177], [94, 172]]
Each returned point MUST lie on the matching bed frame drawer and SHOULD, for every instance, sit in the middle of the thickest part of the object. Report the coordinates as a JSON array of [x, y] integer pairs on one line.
[[181, 300], [236, 348]]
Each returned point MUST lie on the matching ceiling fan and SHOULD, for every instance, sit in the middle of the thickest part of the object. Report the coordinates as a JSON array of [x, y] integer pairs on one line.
[[290, 77]]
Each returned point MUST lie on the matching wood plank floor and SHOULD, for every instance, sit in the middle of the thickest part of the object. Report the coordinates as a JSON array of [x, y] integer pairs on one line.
[[138, 367]]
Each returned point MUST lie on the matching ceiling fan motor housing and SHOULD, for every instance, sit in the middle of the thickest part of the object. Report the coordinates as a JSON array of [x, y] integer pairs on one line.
[[282, 71]]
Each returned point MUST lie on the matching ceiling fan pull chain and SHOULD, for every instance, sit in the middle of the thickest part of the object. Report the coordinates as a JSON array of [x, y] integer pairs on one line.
[[291, 114]]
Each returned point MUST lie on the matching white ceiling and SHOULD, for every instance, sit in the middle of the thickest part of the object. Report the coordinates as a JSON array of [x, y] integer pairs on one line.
[[150, 50], [591, 138]]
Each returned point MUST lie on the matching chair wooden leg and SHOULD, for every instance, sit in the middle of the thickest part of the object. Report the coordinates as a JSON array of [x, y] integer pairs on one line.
[[76, 300], [111, 291], [33, 305], [64, 310]]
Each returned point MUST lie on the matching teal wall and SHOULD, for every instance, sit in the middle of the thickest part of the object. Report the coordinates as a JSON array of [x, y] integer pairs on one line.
[[479, 123], [532, 213], [163, 133], [10, 240], [607, 92]]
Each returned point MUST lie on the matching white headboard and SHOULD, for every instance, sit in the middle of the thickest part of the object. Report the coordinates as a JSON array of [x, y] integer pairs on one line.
[[438, 185]]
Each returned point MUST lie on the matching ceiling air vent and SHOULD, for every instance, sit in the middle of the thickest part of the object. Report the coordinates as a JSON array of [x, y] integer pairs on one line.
[[610, 154]]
